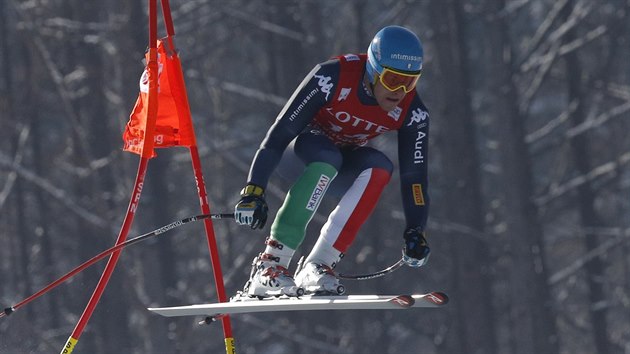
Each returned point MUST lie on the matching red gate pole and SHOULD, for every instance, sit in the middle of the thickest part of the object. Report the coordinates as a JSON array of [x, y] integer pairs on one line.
[[147, 150], [201, 190], [111, 263], [212, 245]]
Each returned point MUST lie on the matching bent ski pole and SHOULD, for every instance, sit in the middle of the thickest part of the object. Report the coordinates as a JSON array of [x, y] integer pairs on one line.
[[9, 310], [378, 274]]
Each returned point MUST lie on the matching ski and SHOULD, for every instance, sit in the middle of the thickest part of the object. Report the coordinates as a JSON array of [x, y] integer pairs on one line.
[[244, 304]]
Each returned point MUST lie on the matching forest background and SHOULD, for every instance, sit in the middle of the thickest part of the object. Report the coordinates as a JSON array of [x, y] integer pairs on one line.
[[529, 174]]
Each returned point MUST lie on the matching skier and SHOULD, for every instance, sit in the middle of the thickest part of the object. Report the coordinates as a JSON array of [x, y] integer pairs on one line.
[[340, 105]]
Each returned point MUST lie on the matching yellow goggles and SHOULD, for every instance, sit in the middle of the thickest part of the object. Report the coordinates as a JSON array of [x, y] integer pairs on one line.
[[394, 80]]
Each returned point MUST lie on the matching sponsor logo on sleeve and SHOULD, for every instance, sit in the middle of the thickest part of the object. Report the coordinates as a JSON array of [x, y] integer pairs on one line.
[[302, 104], [419, 117], [418, 197], [325, 84]]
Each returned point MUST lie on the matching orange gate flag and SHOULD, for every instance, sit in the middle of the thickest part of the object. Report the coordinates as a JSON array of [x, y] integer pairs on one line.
[[173, 126]]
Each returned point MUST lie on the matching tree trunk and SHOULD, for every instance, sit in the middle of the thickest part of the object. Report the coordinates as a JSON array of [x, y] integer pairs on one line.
[[475, 324], [532, 318], [589, 216]]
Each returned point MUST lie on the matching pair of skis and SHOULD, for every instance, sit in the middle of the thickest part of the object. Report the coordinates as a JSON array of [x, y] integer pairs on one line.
[[244, 304]]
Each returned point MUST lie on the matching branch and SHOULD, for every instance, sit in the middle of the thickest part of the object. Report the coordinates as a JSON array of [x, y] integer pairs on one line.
[[608, 168], [621, 236], [513, 6], [55, 192], [244, 91], [548, 128], [544, 28], [56, 76], [555, 38], [618, 91], [194, 7], [545, 61], [8, 186], [253, 19], [598, 121]]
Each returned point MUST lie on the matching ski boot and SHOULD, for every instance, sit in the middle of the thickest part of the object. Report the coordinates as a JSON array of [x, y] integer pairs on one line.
[[318, 279], [267, 278]]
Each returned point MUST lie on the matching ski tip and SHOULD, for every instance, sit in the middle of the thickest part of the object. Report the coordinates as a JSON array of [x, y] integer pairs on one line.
[[437, 298], [403, 300]]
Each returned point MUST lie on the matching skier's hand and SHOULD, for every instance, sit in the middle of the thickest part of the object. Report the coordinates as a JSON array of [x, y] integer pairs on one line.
[[416, 250], [251, 209]]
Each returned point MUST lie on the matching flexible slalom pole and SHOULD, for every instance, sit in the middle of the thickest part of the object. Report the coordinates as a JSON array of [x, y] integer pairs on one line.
[[111, 263], [147, 151], [9, 310], [212, 245]]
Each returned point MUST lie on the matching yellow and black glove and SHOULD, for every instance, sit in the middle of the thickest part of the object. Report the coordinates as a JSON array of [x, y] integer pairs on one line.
[[252, 208]]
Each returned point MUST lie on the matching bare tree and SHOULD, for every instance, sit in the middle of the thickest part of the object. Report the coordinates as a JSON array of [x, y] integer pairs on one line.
[[531, 312], [461, 179]]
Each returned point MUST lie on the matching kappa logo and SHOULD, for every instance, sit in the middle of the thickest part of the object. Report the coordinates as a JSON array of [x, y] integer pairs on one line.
[[325, 84], [343, 95], [418, 116]]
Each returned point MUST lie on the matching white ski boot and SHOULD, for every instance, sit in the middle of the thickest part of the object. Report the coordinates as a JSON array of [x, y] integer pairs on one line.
[[268, 278], [318, 279]]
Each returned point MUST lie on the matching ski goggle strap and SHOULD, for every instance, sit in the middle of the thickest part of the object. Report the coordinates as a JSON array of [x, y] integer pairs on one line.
[[394, 80]]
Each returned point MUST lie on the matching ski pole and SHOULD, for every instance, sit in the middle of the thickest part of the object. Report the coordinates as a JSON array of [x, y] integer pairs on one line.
[[9, 310], [378, 274]]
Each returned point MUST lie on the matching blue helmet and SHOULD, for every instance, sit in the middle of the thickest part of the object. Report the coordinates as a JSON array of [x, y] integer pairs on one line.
[[396, 48]]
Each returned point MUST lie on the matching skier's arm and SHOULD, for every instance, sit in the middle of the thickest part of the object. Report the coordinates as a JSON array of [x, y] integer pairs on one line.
[[413, 153], [308, 98], [294, 117]]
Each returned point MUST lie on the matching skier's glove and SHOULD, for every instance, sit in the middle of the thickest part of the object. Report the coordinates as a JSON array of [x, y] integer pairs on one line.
[[251, 209], [416, 250]]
